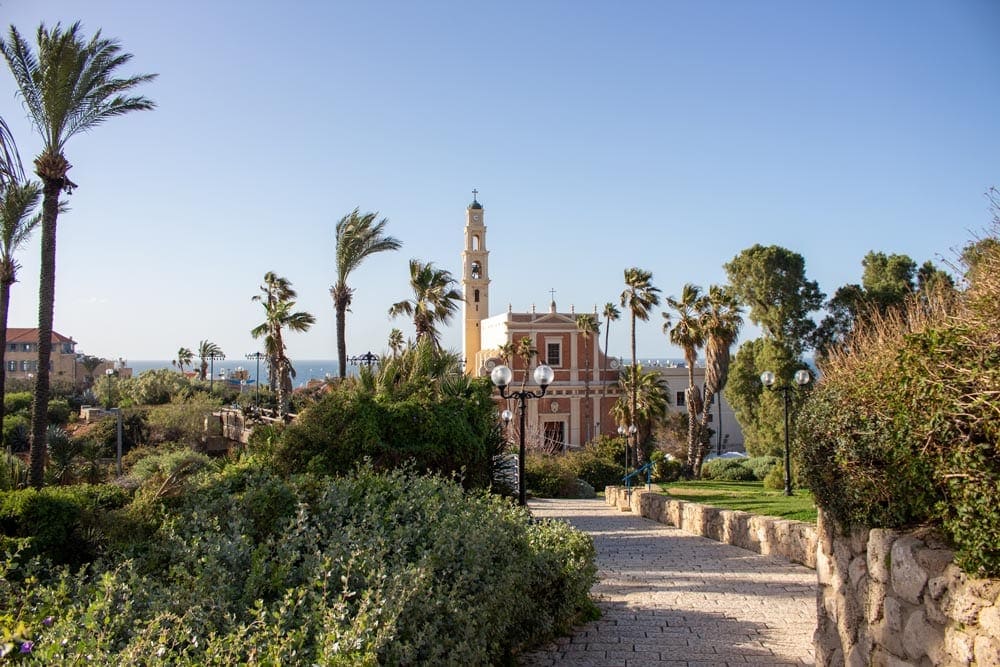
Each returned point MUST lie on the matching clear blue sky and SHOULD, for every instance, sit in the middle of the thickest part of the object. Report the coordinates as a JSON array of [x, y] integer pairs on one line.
[[664, 135]]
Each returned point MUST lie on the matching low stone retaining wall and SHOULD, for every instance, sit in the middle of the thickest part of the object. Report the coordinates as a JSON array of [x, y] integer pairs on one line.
[[768, 535], [892, 598]]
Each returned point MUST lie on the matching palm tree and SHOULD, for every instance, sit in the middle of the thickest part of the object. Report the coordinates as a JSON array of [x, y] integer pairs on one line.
[[525, 351], [686, 332], [721, 322], [207, 349], [90, 364], [68, 87], [587, 326], [639, 297], [358, 236], [17, 201], [506, 352], [396, 342], [435, 300], [185, 357], [611, 314], [652, 398], [11, 170], [278, 299]]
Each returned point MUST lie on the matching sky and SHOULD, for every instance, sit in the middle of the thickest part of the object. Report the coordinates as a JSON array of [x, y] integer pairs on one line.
[[666, 135]]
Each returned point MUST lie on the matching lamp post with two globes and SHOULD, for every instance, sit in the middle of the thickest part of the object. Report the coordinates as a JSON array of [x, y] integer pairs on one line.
[[627, 433], [501, 377], [768, 379]]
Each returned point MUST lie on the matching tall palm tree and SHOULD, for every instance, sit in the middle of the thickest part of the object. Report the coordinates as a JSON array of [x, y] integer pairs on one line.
[[721, 323], [358, 237], [396, 342], [686, 332], [185, 357], [90, 364], [435, 300], [639, 297], [587, 326], [506, 352], [11, 169], [278, 299], [17, 201], [611, 314], [68, 87], [525, 351], [207, 349]]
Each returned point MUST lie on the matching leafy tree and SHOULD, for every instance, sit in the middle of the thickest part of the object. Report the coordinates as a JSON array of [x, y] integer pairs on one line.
[[434, 301], [68, 87], [611, 314], [278, 299], [644, 404], [587, 325], [17, 201], [185, 357], [686, 332], [206, 349], [639, 297], [772, 282], [358, 237]]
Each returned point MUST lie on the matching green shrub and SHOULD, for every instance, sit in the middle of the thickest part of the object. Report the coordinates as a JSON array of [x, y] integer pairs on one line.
[[668, 470], [17, 432], [727, 470], [60, 523], [600, 463], [775, 478], [762, 466], [18, 403], [182, 420], [13, 473], [59, 411], [550, 476], [361, 570]]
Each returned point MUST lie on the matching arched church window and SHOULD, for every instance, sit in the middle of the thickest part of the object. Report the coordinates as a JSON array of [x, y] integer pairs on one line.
[[476, 296], [475, 242], [476, 271]]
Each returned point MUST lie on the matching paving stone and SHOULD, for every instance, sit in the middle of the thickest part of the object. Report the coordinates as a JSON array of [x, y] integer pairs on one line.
[[671, 598]]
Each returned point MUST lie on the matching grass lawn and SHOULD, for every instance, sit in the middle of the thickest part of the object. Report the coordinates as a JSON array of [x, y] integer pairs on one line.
[[746, 496]]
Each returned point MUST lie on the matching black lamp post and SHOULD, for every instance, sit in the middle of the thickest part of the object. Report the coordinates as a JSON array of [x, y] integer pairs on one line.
[[367, 359], [256, 378], [108, 374], [501, 377], [211, 372], [802, 378], [626, 433]]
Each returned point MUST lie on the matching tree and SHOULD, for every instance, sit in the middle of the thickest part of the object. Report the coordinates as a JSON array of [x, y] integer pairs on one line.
[[17, 201], [278, 299], [525, 351], [396, 343], [772, 282], [435, 300], [720, 323], [207, 349], [686, 332], [90, 364], [185, 357], [611, 314], [639, 297], [358, 237], [587, 326], [651, 395], [68, 87]]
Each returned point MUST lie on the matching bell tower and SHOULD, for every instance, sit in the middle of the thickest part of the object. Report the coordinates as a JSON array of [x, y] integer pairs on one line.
[[475, 283]]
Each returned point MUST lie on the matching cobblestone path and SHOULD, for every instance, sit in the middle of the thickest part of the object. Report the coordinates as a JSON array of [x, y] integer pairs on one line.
[[672, 598]]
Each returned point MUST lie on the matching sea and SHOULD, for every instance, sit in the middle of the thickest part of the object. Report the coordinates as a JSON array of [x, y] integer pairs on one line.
[[305, 369]]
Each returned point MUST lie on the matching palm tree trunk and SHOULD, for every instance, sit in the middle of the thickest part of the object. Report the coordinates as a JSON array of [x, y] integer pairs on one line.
[[46, 306], [635, 389], [704, 444], [607, 335], [341, 311], [586, 391], [4, 306]]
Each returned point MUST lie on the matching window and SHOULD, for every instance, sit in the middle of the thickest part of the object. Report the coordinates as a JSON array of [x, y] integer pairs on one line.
[[477, 270], [552, 355], [27, 347], [680, 399], [475, 296], [12, 366], [475, 242], [12, 347], [67, 348], [555, 436]]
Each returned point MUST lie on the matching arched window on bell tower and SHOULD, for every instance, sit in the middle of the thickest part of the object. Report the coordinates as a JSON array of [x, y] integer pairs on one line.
[[476, 272], [476, 296]]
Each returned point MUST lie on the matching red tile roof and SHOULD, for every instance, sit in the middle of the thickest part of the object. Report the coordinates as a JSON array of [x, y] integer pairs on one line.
[[18, 335]]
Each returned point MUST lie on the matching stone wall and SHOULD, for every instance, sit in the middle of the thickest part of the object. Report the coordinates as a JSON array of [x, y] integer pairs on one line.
[[768, 535], [897, 599]]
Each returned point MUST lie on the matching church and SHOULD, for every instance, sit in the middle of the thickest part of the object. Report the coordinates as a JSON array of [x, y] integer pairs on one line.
[[575, 409]]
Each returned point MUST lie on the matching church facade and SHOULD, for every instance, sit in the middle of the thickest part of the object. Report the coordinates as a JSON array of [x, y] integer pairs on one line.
[[576, 406]]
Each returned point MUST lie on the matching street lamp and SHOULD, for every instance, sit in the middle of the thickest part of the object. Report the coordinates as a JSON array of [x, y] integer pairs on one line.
[[501, 377], [211, 372], [109, 372], [256, 378], [367, 359], [768, 379]]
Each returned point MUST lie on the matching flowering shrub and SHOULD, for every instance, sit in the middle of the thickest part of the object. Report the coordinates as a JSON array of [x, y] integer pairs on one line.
[[250, 568]]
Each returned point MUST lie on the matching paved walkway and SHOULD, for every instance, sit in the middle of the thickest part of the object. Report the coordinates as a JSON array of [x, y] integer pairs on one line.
[[672, 598]]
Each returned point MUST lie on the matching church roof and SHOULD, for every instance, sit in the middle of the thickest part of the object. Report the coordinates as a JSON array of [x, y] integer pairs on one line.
[[475, 205]]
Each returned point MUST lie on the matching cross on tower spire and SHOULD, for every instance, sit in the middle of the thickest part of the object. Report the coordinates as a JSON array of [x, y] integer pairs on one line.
[[475, 192]]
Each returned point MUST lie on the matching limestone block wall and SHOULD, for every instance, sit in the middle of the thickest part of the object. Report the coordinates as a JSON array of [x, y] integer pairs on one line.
[[768, 535], [897, 599]]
